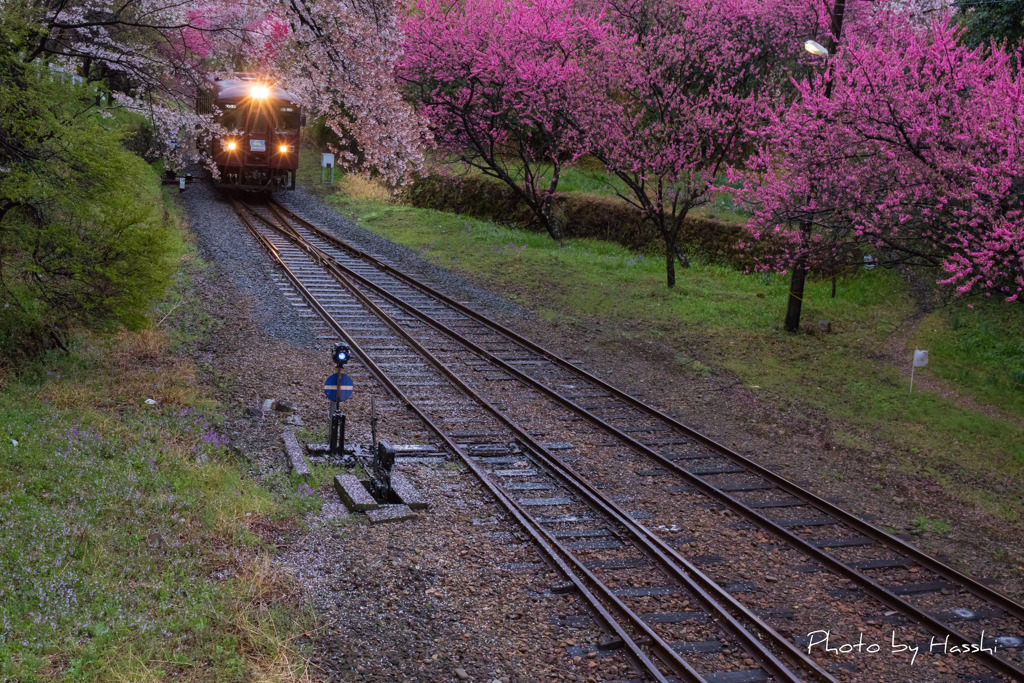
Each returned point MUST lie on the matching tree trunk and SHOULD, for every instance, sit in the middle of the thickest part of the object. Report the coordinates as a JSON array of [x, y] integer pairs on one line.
[[796, 294], [670, 265], [683, 261], [547, 216]]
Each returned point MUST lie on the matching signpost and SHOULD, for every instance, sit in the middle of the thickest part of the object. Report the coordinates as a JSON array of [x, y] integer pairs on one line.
[[338, 388], [326, 162], [920, 360]]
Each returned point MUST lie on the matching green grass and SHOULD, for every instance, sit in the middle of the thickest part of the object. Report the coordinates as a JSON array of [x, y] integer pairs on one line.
[[981, 348], [931, 525], [131, 544], [967, 440]]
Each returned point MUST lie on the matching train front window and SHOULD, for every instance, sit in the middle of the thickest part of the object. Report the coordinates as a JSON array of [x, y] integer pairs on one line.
[[287, 119], [229, 118], [257, 122]]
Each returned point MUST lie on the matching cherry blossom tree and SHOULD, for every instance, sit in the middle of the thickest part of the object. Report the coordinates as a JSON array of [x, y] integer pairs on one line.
[[340, 59], [682, 85], [337, 55], [910, 145], [497, 80]]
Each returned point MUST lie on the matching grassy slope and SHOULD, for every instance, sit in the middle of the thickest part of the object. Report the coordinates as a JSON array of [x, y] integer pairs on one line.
[[129, 545], [961, 429]]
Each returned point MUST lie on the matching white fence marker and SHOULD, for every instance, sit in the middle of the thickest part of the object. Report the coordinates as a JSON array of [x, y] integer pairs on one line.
[[920, 360]]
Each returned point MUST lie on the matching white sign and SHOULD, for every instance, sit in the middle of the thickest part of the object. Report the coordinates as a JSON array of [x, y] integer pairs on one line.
[[920, 360], [326, 160]]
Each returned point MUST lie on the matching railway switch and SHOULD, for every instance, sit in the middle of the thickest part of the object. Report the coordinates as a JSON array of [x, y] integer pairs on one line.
[[383, 461]]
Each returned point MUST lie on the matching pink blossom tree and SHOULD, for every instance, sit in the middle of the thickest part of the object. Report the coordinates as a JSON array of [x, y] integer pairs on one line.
[[910, 145], [497, 80], [680, 86]]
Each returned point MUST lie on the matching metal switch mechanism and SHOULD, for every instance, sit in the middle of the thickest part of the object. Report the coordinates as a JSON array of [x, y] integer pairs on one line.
[[379, 468]]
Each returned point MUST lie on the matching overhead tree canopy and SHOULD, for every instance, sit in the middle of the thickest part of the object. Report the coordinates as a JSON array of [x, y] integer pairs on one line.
[[679, 86], [499, 82], [337, 56]]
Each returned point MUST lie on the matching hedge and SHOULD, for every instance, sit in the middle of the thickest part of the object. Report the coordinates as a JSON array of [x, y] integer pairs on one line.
[[581, 215]]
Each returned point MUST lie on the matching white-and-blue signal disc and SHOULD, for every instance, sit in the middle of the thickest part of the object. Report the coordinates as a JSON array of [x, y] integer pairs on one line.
[[338, 387]]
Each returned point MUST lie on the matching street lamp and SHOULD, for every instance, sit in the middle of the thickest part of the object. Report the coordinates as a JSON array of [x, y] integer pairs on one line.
[[815, 48]]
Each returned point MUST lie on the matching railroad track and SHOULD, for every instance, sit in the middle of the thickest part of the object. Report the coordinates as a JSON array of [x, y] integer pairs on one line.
[[674, 609]]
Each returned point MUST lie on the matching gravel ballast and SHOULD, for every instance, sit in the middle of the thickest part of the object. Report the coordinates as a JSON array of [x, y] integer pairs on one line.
[[223, 240], [311, 208], [452, 594]]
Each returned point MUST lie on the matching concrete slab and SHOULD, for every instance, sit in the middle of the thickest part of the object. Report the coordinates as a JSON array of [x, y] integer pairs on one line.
[[416, 448], [409, 494], [417, 460], [390, 513], [353, 494], [294, 453]]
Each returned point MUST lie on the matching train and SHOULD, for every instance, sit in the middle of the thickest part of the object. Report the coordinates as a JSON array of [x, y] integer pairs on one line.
[[260, 152]]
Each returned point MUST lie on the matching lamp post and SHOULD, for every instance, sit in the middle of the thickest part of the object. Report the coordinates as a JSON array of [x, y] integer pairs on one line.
[[798, 278], [815, 48]]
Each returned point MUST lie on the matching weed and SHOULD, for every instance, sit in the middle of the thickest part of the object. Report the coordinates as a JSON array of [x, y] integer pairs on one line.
[[361, 188], [935, 526]]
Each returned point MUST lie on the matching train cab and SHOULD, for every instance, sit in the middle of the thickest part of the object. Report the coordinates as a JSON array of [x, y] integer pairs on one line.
[[260, 151]]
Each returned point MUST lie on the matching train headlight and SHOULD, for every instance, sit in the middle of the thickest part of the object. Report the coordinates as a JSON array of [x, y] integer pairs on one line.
[[284, 149], [259, 92], [232, 145]]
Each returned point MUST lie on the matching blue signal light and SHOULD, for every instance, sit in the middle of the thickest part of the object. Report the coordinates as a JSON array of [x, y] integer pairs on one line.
[[341, 354]]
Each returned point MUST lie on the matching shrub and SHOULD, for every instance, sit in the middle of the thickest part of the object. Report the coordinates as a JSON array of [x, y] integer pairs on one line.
[[83, 240]]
